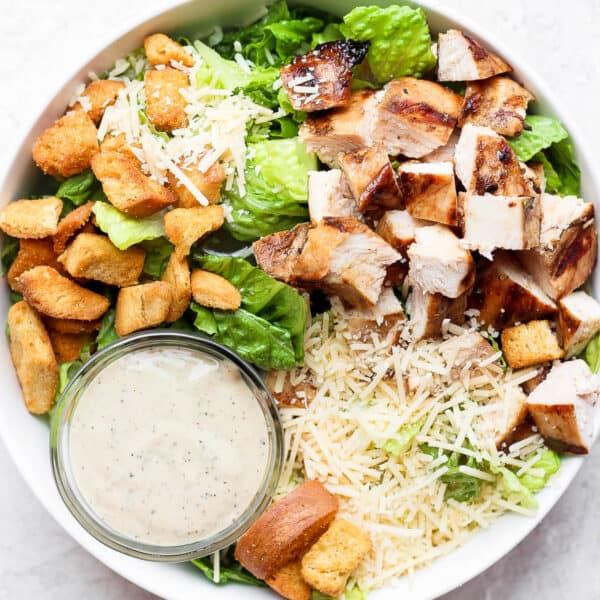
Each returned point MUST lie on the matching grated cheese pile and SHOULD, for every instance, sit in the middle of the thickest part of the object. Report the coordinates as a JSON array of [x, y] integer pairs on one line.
[[366, 388]]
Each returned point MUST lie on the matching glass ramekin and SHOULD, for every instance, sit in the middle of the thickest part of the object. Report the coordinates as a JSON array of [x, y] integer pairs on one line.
[[67, 483]]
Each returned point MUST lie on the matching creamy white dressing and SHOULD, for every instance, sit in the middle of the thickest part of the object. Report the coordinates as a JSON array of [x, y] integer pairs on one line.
[[168, 446]]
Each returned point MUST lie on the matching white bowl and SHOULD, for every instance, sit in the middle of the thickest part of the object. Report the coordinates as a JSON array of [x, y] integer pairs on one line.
[[26, 437]]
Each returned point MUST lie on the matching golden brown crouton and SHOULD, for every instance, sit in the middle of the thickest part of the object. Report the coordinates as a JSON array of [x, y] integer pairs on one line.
[[208, 183], [126, 186], [56, 296], [118, 143], [31, 254], [33, 358], [31, 218], [177, 275], [165, 103], [68, 346], [142, 306], [71, 325], [70, 225], [184, 226], [328, 564], [66, 148], [530, 344], [94, 256], [287, 529], [161, 50], [99, 95], [288, 582], [214, 291]]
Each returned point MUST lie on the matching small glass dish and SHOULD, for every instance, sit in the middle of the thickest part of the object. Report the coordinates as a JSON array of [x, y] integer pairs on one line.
[[67, 482]]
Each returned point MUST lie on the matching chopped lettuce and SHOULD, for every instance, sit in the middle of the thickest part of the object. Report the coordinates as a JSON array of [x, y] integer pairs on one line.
[[563, 161], [513, 487], [125, 231], [406, 434], [158, 252], [218, 72], [553, 182], [540, 133], [592, 354], [10, 249], [230, 570], [80, 188], [399, 36], [107, 333], [549, 462], [331, 33]]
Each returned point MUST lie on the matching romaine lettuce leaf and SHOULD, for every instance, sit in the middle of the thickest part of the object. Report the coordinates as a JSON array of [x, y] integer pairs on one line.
[[540, 133], [553, 182], [514, 487], [218, 72], [10, 249], [80, 188], [592, 354], [158, 252], [563, 161], [406, 435], [331, 33], [107, 333], [549, 462], [230, 570]]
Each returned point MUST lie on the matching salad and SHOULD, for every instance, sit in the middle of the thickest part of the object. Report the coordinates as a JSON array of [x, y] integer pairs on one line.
[[376, 218]]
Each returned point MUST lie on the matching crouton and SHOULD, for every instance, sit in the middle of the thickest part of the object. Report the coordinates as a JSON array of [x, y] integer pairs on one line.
[[34, 360], [32, 253], [97, 96], [465, 350], [118, 143], [162, 50], [330, 561], [66, 148], [288, 582], [208, 184], [214, 291], [428, 191], [177, 275], [71, 224], [142, 306], [578, 322], [461, 58], [499, 103], [31, 219], [329, 196], [165, 104], [94, 256], [46, 290], [185, 226], [530, 344], [287, 394], [71, 325], [398, 228], [287, 529], [68, 346], [126, 186]]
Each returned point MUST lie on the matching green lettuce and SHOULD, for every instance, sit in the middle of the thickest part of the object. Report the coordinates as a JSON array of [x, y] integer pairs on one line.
[[331, 33], [10, 249], [401, 443], [107, 333], [562, 158], [540, 133], [125, 231], [218, 72], [158, 252], [399, 36], [80, 188], [592, 354], [549, 462], [553, 182], [230, 570]]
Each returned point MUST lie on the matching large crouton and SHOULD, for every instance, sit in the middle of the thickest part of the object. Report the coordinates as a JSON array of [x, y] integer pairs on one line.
[[94, 256], [142, 306], [185, 226], [214, 291], [97, 96], [329, 196], [578, 322], [50, 293], [465, 350], [32, 253], [162, 50], [68, 346], [126, 186], [177, 275], [31, 219], [530, 344], [397, 228], [71, 325], [33, 358], [287, 529], [328, 564], [118, 143], [288, 582], [208, 184], [165, 104], [71, 224], [66, 148]]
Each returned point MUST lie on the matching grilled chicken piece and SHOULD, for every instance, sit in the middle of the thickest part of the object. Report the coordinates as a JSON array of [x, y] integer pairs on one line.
[[505, 294], [568, 245], [339, 130], [277, 254], [428, 311], [486, 163], [321, 78], [444, 153], [491, 222], [530, 344], [371, 178], [329, 196], [562, 406], [428, 191], [413, 117], [439, 264], [345, 258], [499, 103], [465, 351], [534, 173], [542, 372], [503, 418], [461, 58], [398, 228], [578, 322]]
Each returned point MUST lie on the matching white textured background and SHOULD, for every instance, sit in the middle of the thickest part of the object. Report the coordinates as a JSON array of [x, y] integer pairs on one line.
[[41, 42]]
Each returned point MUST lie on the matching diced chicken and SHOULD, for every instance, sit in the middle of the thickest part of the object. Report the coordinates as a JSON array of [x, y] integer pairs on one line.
[[371, 178], [486, 163], [428, 191], [444, 153], [288, 394], [562, 406], [491, 222], [542, 372], [568, 245], [499, 103], [439, 264], [329, 196], [322, 78], [397, 228], [534, 173], [461, 58], [505, 294], [530, 344], [578, 322], [345, 258], [503, 417], [465, 351]]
